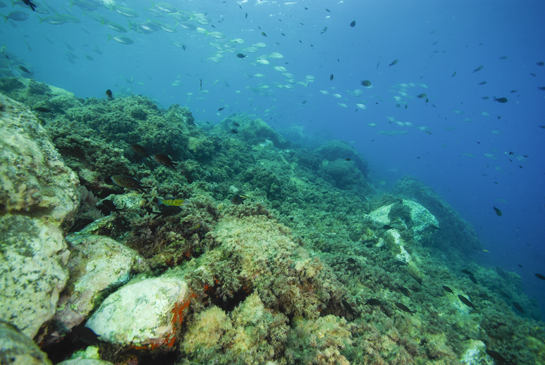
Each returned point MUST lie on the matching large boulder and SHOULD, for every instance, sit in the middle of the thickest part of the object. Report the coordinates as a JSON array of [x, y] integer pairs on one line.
[[409, 213], [146, 314], [96, 264], [16, 348], [38, 199]]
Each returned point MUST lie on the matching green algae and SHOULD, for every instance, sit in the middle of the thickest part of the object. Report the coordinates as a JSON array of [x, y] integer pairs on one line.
[[309, 204]]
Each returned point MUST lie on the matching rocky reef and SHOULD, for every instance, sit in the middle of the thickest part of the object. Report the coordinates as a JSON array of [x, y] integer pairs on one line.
[[229, 244]]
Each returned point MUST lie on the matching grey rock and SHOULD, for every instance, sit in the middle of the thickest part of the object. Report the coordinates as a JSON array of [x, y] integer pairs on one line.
[[16, 348], [38, 199]]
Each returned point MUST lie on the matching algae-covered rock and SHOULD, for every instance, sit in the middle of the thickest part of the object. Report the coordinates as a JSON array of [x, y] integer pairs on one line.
[[456, 234], [203, 337], [335, 149], [344, 175], [319, 341], [254, 132], [96, 263], [18, 349], [296, 284], [252, 334], [38, 197], [144, 314]]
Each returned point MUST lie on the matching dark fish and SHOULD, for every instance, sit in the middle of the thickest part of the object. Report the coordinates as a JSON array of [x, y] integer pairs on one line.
[[498, 212], [366, 83], [42, 109], [484, 97], [168, 210], [466, 301], [164, 160], [541, 87], [472, 278], [467, 272], [348, 308], [373, 302], [353, 24], [520, 266], [241, 55], [482, 83], [448, 289], [236, 124], [501, 100], [478, 69], [325, 10], [200, 83], [454, 74], [323, 31], [304, 102], [540, 63], [220, 109], [283, 34], [539, 276], [393, 63], [347, 159], [421, 96], [519, 308], [503, 293], [331, 77], [25, 70], [86, 335], [496, 356], [29, 3], [404, 308], [245, 15], [109, 94], [140, 150], [263, 34], [234, 131], [108, 207], [128, 182], [239, 199], [503, 58], [406, 292]]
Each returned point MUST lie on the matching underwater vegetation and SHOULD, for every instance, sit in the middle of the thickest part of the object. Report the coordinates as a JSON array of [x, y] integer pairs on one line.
[[187, 243]]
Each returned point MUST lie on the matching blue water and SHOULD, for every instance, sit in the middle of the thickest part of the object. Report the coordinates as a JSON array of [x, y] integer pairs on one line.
[[468, 34]]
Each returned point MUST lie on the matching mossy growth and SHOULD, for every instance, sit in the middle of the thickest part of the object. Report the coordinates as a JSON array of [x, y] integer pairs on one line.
[[251, 334], [400, 213], [319, 341]]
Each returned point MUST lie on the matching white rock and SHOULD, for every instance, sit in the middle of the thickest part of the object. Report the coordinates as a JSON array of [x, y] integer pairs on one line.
[[96, 263], [475, 353], [85, 362], [422, 220], [142, 314]]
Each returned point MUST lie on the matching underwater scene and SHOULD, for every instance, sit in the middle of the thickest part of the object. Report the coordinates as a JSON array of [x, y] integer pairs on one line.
[[272, 182]]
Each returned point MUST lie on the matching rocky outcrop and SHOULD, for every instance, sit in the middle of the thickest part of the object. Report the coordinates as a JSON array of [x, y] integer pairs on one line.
[[96, 264], [38, 198], [16, 348]]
